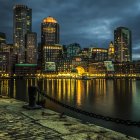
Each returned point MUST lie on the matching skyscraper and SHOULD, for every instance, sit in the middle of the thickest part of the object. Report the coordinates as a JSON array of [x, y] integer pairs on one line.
[[111, 51], [49, 31], [122, 44], [31, 47], [22, 24], [2, 41], [51, 51]]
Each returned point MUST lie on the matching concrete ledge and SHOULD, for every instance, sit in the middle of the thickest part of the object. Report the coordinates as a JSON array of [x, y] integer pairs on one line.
[[19, 123]]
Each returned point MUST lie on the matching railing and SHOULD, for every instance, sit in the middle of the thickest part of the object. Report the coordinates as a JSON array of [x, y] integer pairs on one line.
[[90, 114]]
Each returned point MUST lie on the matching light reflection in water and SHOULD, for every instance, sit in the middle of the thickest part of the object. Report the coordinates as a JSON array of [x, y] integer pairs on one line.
[[115, 98], [78, 92], [110, 97], [4, 87]]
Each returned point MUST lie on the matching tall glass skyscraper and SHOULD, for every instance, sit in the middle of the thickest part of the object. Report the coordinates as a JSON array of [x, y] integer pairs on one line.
[[122, 44], [31, 47], [22, 24], [51, 51], [49, 31], [2, 41]]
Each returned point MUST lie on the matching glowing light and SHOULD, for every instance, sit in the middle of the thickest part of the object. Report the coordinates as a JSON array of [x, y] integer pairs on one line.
[[50, 20]]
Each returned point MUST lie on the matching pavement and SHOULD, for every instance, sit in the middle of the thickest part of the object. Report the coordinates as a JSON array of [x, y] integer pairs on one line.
[[17, 123]]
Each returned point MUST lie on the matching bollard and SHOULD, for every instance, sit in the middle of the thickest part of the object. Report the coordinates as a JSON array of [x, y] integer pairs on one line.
[[32, 93]]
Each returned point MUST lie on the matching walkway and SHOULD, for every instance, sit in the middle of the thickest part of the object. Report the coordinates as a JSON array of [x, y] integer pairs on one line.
[[17, 123]]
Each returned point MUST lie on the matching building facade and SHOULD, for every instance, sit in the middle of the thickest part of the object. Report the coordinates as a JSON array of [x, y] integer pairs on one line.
[[31, 48], [122, 44], [49, 31], [51, 54], [22, 24], [73, 49], [4, 62], [2, 41], [51, 51], [111, 52], [98, 54]]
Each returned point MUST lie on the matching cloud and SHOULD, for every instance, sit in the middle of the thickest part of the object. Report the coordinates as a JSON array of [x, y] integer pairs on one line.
[[84, 21]]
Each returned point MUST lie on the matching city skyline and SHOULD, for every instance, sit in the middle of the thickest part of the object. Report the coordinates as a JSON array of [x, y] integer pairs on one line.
[[80, 21]]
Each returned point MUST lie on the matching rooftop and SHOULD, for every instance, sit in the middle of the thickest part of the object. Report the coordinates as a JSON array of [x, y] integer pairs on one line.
[[50, 20]]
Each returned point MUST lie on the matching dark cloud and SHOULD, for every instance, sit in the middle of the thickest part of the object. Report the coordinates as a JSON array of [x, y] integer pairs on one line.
[[88, 22]]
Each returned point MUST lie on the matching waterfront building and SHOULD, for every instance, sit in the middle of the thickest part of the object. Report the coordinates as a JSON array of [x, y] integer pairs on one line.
[[73, 49], [97, 68], [111, 52], [74, 64], [80, 64], [64, 65], [22, 24], [122, 44], [25, 69], [31, 48], [98, 54], [51, 55]]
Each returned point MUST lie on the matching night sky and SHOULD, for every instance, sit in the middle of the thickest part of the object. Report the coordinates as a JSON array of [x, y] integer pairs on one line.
[[88, 22]]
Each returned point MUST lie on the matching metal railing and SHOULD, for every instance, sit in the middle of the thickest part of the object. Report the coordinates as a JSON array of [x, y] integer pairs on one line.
[[90, 114]]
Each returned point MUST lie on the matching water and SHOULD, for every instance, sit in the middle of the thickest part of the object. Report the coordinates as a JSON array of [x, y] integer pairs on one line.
[[115, 98]]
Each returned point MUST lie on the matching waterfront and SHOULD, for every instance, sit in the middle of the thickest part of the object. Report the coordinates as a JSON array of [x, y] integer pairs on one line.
[[116, 98]]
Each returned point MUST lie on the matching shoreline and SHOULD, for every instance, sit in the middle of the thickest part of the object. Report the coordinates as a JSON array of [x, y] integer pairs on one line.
[[61, 127]]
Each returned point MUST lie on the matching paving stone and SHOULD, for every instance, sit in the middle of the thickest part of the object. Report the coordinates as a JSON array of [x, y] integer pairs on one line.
[[17, 123]]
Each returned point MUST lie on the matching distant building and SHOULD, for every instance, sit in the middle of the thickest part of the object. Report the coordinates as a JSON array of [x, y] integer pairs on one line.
[[85, 54], [31, 48], [2, 38], [4, 62], [64, 65], [25, 69], [51, 53], [22, 23], [2, 41], [49, 31], [39, 55], [122, 44], [111, 52], [73, 49], [98, 54]]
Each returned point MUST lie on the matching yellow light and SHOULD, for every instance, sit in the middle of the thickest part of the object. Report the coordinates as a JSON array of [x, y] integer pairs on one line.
[[50, 20]]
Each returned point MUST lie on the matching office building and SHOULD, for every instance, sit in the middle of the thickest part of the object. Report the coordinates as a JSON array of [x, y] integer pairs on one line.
[[2, 41], [31, 48], [51, 55], [73, 49], [22, 24], [111, 52], [4, 62], [122, 44], [51, 51], [98, 54], [49, 31]]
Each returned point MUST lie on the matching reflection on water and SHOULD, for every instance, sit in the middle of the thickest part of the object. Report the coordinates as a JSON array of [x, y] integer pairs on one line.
[[115, 98], [4, 87]]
